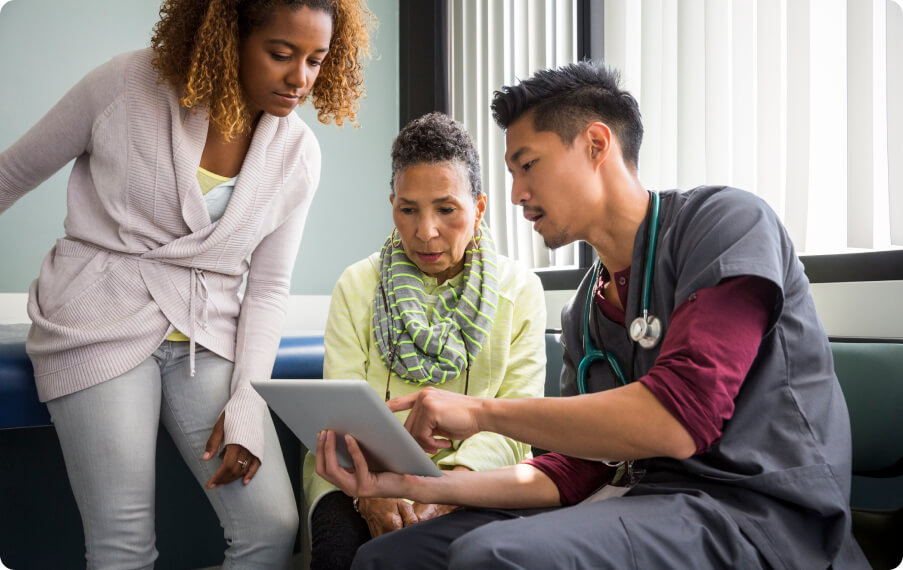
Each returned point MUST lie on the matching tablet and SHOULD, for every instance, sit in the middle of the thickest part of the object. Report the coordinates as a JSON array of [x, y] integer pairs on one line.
[[348, 407]]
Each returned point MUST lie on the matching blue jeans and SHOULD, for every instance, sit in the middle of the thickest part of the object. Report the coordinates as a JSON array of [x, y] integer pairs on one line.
[[108, 433]]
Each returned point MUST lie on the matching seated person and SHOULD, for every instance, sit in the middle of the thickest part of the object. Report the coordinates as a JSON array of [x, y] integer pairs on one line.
[[692, 352], [436, 306]]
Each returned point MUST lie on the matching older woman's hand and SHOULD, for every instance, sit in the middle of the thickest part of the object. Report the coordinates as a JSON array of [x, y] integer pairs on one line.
[[427, 511], [385, 515]]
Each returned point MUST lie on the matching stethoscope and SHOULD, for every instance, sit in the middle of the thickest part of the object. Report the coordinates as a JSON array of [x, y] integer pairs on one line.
[[645, 330]]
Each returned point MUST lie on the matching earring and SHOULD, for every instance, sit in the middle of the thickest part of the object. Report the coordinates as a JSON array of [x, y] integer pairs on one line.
[[395, 238]]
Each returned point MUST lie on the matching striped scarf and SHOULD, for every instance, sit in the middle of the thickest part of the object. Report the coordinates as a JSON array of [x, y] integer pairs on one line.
[[440, 350]]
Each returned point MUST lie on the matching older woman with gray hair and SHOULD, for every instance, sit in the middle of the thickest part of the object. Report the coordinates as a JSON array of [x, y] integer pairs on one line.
[[436, 306]]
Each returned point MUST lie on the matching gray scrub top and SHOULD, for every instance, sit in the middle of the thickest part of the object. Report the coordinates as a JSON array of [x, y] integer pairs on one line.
[[782, 466]]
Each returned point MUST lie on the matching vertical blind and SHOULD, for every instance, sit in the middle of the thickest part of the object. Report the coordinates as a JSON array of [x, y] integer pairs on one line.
[[495, 43], [798, 101]]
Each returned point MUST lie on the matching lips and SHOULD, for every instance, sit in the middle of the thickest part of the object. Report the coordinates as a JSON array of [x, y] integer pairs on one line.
[[429, 257], [289, 98], [533, 215]]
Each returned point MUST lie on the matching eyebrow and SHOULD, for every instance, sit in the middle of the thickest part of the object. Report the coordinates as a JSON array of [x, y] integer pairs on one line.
[[446, 198], [292, 46], [516, 156]]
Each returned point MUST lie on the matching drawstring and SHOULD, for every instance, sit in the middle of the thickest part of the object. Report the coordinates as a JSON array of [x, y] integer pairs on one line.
[[198, 286]]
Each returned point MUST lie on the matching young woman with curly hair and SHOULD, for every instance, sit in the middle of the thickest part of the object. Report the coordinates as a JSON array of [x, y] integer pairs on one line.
[[191, 172]]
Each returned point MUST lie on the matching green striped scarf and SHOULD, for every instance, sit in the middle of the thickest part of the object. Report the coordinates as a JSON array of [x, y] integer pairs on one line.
[[440, 350]]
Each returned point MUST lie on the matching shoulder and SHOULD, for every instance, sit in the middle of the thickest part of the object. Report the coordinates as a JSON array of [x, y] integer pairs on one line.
[[109, 81], [360, 277], [300, 136], [713, 233], [301, 145], [709, 206]]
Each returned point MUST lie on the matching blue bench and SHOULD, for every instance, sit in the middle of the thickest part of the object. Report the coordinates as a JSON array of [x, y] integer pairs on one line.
[[39, 522], [38, 508], [298, 357]]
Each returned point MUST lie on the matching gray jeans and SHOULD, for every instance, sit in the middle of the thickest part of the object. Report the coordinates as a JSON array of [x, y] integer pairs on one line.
[[108, 434]]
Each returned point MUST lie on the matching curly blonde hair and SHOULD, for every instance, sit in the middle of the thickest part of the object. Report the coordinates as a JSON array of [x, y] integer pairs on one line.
[[196, 49]]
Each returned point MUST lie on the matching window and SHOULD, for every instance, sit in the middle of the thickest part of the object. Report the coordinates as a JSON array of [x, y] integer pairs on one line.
[[493, 43], [798, 101]]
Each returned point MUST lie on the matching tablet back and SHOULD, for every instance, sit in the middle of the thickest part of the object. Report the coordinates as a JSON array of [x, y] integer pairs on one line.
[[348, 407]]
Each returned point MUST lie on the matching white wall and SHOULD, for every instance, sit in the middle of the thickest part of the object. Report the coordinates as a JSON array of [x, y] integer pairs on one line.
[[46, 46], [865, 310]]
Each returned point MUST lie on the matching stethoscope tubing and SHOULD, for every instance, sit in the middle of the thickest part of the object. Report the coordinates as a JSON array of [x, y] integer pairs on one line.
[[590, 352]]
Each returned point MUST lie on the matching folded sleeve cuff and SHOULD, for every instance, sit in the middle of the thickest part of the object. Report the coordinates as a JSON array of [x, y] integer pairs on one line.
[[244, 421]]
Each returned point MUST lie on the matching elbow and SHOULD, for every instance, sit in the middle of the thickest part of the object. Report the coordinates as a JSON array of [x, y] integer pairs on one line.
[[683, 451], [678, 444]]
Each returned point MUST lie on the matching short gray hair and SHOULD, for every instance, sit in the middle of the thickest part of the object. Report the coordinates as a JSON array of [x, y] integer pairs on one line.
[[435, 138]]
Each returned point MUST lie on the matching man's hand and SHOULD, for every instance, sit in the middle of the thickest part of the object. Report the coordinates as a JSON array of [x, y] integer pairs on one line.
[[238, 462], [385, 515], [437, 416]]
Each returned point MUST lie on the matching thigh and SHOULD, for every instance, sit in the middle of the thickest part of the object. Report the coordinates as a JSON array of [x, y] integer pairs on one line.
[[426, 545], [191, 406], [108, 435], [657, 531]]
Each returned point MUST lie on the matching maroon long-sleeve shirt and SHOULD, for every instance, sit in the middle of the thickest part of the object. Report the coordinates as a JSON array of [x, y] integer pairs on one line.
[[712, 340]]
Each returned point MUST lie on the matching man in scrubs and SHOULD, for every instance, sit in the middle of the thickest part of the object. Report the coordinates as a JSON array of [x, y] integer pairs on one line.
[[711, 433]]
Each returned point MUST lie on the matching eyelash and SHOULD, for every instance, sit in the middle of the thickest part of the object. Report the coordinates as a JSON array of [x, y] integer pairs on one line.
[[446, 210], [528, 165], [284, 58]]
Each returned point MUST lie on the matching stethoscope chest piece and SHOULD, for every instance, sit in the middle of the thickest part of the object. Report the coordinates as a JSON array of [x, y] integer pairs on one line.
[[646, 331]]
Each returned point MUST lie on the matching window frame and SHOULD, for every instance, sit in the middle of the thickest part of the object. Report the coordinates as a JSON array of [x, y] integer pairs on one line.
[[423, 87]]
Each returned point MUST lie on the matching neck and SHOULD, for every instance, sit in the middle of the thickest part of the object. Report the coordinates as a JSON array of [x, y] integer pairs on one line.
[[622, 211], [444, 276]]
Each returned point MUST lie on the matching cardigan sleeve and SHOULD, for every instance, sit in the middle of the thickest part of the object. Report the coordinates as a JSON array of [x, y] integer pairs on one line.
[[63, 134], [524, 377], [262, 316]]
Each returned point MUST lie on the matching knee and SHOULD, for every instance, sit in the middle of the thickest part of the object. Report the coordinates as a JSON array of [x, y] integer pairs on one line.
[[276, 526], [285, 524]]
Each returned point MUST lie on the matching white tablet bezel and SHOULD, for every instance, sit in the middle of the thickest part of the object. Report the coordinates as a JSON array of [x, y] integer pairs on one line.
[[348, 407]]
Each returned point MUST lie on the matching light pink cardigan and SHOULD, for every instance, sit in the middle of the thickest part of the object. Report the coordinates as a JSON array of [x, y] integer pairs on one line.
[[141, 254]]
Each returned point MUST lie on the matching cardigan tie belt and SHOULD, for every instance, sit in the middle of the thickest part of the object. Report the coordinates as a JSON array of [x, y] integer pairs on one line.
[[198, 286]]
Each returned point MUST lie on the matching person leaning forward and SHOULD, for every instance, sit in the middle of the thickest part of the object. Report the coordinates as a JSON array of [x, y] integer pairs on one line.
[[436, 306], [192, 171], [728, 436]]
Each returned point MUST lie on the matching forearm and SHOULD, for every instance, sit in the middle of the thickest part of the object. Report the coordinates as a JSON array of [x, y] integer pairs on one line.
[[624, 423], [512, 487]]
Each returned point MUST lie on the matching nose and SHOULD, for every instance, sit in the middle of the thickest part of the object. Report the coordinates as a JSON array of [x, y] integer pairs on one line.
[[301, 76], [427, 228], [519, 191]]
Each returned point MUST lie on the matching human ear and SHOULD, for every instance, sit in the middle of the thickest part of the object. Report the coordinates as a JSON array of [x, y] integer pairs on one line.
[[480, 210], [598, 138]]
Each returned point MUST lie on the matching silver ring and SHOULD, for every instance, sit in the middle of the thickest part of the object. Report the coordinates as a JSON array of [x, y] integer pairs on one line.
[[243, 463]]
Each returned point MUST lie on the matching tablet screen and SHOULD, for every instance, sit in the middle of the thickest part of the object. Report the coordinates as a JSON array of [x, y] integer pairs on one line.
[[348, 407]]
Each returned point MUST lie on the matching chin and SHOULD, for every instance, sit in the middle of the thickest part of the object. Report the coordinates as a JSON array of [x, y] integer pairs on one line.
[[557, 240], [281, 111]]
